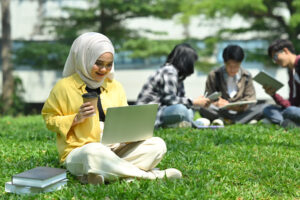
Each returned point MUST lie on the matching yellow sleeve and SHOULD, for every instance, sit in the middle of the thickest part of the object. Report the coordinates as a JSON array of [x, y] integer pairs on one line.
[[56, 113]]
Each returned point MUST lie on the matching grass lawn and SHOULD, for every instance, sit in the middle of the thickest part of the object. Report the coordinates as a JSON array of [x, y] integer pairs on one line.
[[237, 162]]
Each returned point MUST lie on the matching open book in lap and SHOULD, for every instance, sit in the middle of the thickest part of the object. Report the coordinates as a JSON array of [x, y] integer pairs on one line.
[[238, 103], [267, 80]]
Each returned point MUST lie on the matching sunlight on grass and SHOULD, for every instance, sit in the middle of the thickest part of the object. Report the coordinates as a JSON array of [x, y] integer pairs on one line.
[[237, 162]]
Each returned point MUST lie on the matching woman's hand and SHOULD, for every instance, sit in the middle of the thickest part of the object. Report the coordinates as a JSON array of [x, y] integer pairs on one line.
[[201, 101], [86, 110], [269, 90]]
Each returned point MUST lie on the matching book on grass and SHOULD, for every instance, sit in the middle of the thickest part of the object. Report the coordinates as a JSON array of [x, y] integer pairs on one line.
[[39, 177], [267, 80], [19, 189], [238, 103]]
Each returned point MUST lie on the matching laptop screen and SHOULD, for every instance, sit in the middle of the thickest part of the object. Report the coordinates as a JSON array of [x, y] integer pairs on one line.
[[129, 123]]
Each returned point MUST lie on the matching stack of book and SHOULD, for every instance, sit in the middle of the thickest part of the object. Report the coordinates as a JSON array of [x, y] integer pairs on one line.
[[37, 180]]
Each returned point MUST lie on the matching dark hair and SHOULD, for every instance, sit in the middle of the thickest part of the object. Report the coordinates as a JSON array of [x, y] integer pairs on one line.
[[233, 52], [279, 45], [183, 57]]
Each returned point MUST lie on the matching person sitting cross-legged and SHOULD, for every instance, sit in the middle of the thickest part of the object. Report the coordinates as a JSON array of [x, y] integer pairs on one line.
[[286, 112], [235, 84], [78, 125], [166, 88]]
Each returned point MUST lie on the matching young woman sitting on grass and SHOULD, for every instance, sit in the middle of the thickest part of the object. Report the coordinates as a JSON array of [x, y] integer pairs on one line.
[[90, 67], [166, 88]]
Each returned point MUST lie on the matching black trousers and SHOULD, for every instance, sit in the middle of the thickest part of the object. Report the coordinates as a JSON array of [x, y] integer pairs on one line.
[[253, 112]]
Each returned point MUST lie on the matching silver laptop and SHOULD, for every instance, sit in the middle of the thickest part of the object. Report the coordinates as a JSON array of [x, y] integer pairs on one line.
[[129, 123]]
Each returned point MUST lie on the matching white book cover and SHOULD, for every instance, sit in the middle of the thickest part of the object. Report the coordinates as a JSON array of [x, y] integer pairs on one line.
[[17, 189], [238, 103], [39, 177]]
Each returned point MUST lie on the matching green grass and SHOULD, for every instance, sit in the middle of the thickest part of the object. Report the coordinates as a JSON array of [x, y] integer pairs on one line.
[[237, 162]]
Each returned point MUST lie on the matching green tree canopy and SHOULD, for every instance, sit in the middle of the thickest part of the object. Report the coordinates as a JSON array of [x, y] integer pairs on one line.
[[274, 18], [106, 17], [266, 19]]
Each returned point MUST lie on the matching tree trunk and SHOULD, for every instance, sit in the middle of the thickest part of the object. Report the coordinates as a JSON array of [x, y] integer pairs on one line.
[[101, 19], [102, 28], [186, 31], [37, 29], [7, 76]]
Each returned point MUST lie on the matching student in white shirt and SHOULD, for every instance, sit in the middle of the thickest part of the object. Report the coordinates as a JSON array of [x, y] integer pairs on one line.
[[235, 84]]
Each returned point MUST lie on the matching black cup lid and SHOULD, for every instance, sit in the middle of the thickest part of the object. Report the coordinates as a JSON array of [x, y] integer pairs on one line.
[[90, 95]]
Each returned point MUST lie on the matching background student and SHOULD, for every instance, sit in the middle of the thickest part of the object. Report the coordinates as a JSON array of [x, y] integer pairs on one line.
[[235, 84], [166, 88], [287, 111], [90, 67]]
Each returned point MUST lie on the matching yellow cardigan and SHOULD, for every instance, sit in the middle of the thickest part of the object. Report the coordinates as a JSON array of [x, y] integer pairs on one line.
[[63, 104]]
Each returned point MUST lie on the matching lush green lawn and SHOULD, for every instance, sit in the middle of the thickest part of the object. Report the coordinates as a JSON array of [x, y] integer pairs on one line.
[[237, 162]]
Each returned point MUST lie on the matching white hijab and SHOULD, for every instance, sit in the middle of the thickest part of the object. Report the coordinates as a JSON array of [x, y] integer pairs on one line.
[[83, 54]]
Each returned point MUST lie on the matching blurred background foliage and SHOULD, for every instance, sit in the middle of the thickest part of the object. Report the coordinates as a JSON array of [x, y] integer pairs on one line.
[[18, 104], [266, 20], [42, 55]]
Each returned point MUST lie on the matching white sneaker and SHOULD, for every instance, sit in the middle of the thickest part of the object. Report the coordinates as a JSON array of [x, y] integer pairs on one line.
[[202, 122], [170, 173], [173, 173], [253, 121], [218, 122]]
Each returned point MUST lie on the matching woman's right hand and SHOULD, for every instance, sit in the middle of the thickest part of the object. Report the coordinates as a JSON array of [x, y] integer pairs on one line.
[[86, 110]]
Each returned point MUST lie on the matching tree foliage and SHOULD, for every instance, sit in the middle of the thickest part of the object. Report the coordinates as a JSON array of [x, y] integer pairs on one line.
[[18, 103], [42, 55], [275, 18], [106, 17], [266, 19]]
